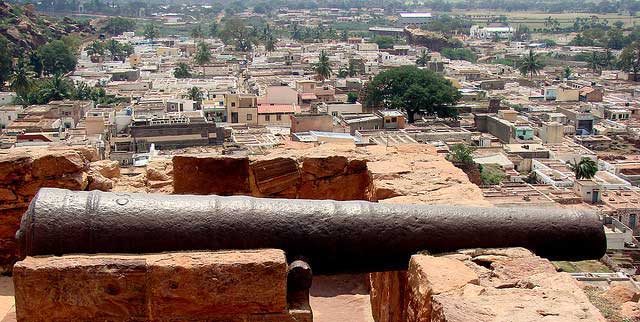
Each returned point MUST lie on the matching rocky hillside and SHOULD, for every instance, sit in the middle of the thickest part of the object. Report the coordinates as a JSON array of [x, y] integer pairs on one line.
[[25, 28]]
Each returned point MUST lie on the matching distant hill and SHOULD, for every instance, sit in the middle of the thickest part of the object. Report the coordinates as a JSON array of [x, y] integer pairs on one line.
[[25, 28]]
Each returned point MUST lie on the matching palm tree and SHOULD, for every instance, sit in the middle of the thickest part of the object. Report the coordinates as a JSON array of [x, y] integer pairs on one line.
[[21, 79], [323, 67], [423, 58], [195, 94], [353, 68], [57, 88], [150, 31], [585, 169], [531, 65], [182, 71], [203, 55]]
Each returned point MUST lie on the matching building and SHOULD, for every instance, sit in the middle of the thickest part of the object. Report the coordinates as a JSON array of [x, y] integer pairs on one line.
[[413, 18], [9, 114], [276, 114], [7, 98], [242, 108], [311, 122], [501, 32]]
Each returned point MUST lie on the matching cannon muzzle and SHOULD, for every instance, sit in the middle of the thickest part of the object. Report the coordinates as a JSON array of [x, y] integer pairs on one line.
[[334, 237]]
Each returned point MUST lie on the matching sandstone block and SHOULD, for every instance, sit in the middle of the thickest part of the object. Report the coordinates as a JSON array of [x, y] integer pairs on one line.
[[7, 195], [344, 187], [58, 163], [204, 285], [211, 175], [107, 168], [80, 288], [320, 167], [196, 286], [429, 276], [273, 176], [14, 166]]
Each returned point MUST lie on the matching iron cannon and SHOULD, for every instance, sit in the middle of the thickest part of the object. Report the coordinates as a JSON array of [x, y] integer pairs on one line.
[[332, 236]]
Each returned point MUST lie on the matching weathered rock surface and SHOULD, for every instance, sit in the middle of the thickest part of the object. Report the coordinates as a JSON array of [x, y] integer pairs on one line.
[[222, 176], [213, 286], [487, 285]]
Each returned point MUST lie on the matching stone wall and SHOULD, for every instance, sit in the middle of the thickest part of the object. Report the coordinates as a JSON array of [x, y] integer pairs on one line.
[[480, 285], [232, 286]]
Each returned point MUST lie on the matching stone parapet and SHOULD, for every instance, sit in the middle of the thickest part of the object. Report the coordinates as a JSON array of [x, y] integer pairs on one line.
[[190, 286]]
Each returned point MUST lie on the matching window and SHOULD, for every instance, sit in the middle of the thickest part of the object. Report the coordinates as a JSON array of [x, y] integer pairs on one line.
[[279, 117], [233, 104], [249, 117], [267, 117], [394, 119], [9, 117]]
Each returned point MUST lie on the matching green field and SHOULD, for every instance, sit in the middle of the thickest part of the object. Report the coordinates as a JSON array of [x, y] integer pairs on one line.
[[535, 19]]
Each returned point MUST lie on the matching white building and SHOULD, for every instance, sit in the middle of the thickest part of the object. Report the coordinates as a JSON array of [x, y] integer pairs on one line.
[[7, 98], [414, 18], [502, 32]]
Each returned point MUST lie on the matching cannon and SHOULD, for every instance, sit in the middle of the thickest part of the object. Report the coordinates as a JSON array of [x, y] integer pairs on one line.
[[332, 236]]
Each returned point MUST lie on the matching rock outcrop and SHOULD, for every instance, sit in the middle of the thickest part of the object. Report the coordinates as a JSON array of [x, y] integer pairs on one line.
[[22, 173], [485, 285], [26, 29]]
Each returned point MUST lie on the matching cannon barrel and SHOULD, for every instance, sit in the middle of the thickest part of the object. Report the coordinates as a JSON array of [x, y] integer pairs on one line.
[[333, 236]]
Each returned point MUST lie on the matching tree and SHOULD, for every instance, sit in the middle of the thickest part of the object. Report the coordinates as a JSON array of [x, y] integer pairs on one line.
[[459, 54], [182, 70], [213, 30], [203, 55], [384, 42], [5, 61], [630, 59], [323, 67], [353, 69], [414, 90], [461, 153], [95, 48], [585, 169], [195, 94], [235, 32], [567, 72], [197, 32], [21, 79], [56, 88], [423, 58], [352, 98], [57, 58], [343, 72], [270, 43], [530, 65], [150, 31], [118, 25], [595, 61]]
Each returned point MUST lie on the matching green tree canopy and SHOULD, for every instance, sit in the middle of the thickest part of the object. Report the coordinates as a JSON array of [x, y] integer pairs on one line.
[[414, 90], [150, 31], [203, 54], [118, 25], [530, 65], [585, 169], [323, 67], [182, 70], [5, 61], [57, 58]]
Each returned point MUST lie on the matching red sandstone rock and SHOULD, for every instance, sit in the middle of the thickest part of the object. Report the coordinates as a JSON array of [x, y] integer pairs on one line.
[[200, 286], [276, 177], [58, 164], [211, 175], [321, 167], [108, 169], [429, 276], [14, 166], [620, 292], [183, 286], [98, 182]]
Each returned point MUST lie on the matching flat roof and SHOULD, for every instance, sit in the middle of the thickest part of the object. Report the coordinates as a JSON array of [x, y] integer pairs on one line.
[[415, 14]]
